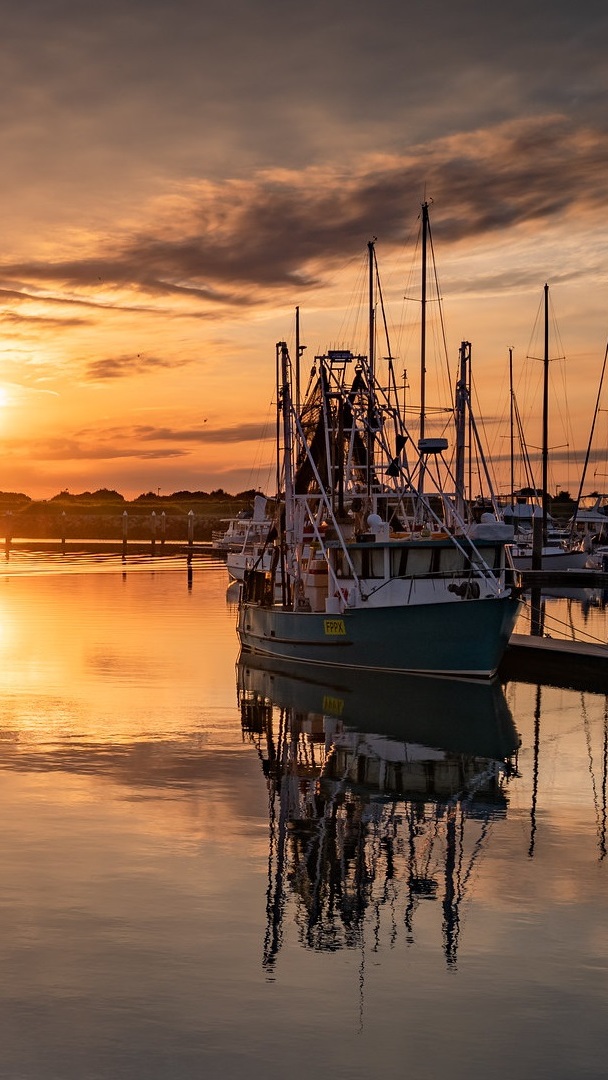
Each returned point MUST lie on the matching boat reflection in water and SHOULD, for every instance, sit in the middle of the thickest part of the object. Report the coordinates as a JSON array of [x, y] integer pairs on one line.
[[381, 794]]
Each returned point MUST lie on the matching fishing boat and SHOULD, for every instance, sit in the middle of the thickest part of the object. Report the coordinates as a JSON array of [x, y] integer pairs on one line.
[[380, 569]]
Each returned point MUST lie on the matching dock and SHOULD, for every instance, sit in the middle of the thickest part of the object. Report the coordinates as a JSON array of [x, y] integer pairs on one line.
[[566, 579], [572, 665]]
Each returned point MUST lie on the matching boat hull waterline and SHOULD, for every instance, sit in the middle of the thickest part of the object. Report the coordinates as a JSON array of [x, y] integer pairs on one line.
[[466, 638]]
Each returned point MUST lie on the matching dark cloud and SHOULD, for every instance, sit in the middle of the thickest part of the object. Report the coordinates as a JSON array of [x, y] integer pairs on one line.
[[27, 322], [245, 240], [203, 433], [93, 449], [141, 79], [132, 443], [246, 432], [118, 367]]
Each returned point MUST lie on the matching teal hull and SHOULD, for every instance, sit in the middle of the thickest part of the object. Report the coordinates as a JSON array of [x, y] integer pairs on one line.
[[460, 716], [467, 638]]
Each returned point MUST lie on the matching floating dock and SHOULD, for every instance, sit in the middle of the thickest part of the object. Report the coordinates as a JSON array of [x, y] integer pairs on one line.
[[575, 665], [567, 579]]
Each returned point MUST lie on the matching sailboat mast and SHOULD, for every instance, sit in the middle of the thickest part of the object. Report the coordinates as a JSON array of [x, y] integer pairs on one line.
[[545, 450], [425, 230], [285, 403], [512, 428], [461, 398]]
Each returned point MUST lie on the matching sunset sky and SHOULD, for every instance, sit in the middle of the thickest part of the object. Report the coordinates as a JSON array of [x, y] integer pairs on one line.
[[177, 178]]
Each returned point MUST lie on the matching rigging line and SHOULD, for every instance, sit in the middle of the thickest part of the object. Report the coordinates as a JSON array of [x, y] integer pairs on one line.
[[591, 434], [486, 438], [391, 370], [528, 473], [438, 294]]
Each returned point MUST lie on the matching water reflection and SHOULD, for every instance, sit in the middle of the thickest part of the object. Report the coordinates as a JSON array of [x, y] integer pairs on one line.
[[382, 795]]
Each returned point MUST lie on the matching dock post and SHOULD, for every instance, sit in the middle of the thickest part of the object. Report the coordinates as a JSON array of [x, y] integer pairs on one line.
[[153, 531], [125, 529], [163, 529], [63, 530], [8, 533], [190, 534]]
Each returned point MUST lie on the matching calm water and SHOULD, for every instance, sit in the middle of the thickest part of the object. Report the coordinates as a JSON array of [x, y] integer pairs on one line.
[[218, 872]]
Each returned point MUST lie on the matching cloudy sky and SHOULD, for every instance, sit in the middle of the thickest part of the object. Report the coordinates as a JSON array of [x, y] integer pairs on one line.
[[177, 178]]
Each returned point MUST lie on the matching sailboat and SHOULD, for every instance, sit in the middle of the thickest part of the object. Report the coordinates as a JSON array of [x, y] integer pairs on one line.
[[556, 551], [379, 570]]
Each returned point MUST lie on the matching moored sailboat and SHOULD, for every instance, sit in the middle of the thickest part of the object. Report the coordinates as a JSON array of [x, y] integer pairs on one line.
[[550, 548]]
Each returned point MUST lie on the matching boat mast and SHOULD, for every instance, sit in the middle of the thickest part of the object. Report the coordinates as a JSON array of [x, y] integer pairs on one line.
[[298, 354], [545, 450], [425, 230], [285, 405], [461, 401], [512, 408], [371, 363]]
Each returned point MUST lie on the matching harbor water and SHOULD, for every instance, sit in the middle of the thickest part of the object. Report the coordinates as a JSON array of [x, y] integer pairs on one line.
[[214, 869]]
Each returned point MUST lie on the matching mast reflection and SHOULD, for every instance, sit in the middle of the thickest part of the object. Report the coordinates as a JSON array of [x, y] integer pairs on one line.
[[382, 792]]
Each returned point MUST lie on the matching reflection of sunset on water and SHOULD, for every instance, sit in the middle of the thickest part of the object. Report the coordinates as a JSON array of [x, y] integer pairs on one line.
[[195, 882]]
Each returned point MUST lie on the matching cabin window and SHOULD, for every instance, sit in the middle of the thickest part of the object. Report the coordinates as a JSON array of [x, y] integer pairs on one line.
[[451, 561], [377, 562], [490, 555], [419, 562], [368, 562], [398, 562]]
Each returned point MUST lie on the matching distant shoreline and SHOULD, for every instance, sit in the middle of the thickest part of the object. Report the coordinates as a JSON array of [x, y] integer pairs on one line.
[[172, 519]]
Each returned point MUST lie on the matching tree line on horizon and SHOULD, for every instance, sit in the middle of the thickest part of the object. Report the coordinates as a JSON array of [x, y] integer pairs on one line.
[[111, 495]]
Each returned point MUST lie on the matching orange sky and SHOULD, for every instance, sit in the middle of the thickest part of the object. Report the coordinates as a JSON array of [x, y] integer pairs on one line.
[[176, 183]]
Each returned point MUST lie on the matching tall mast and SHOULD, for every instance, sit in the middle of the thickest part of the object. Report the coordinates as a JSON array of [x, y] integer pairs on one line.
[[285, 404], [372, 314], [461, 399], [298, 354], [425, 230], [371, 365], [545, 450], [512, 476]]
